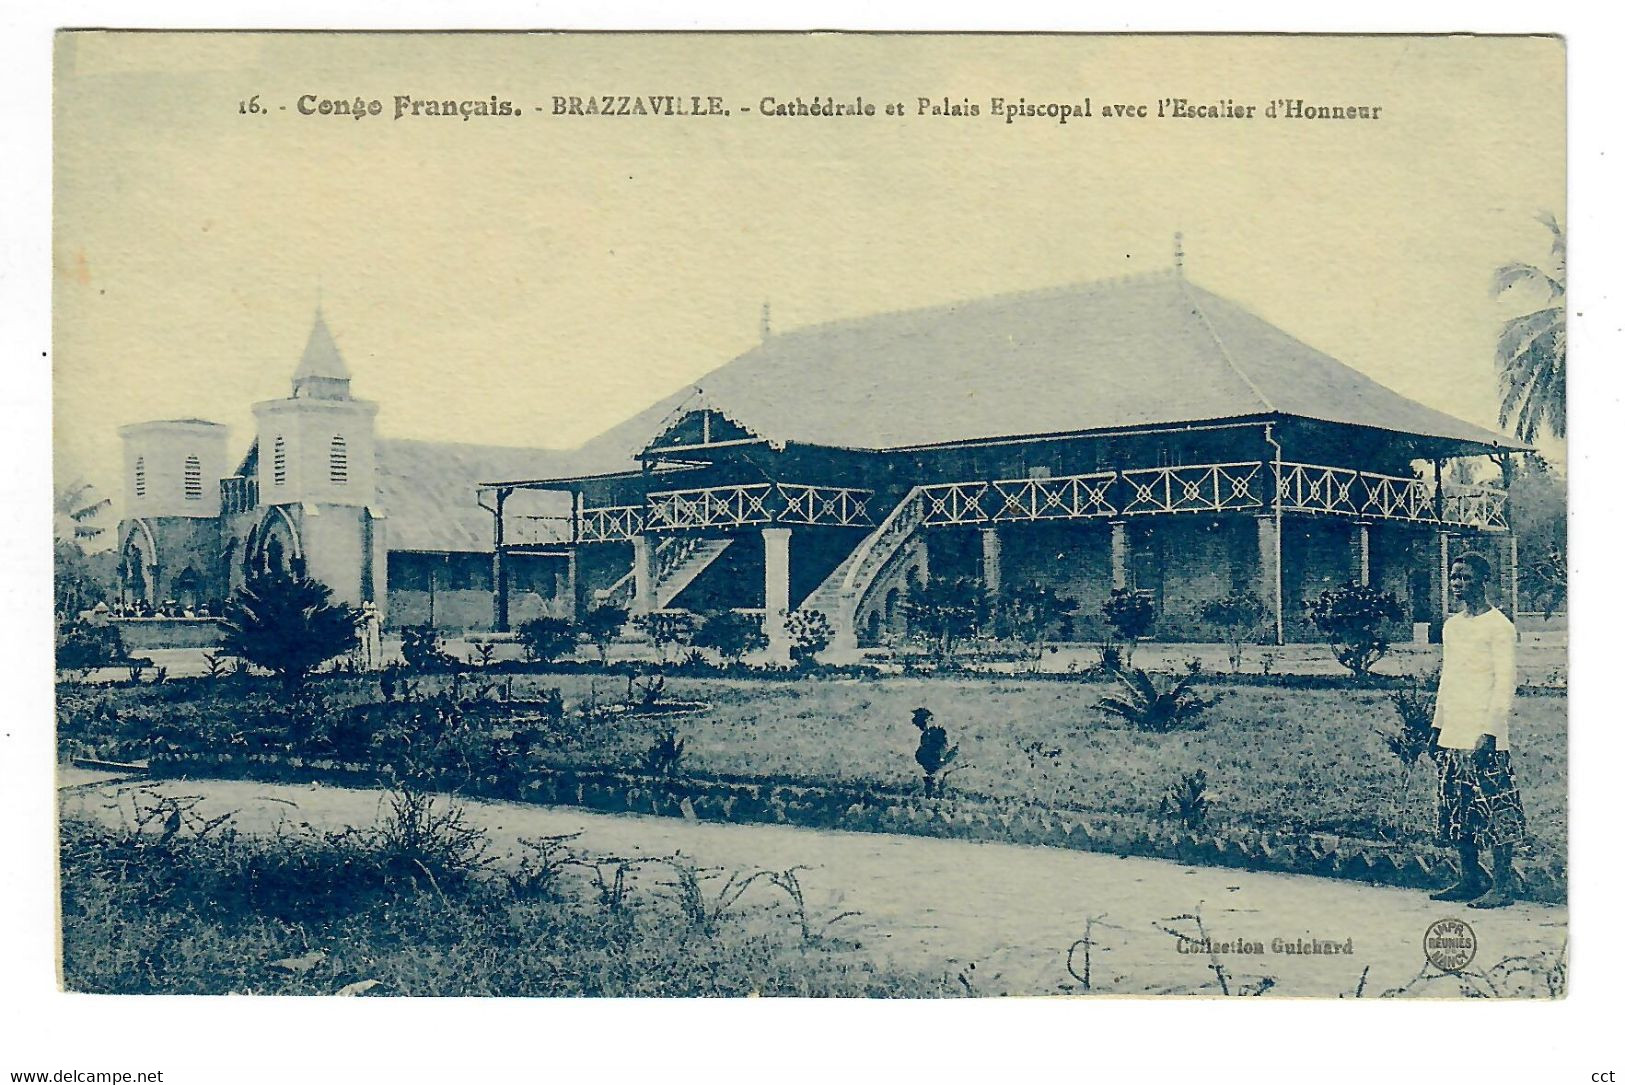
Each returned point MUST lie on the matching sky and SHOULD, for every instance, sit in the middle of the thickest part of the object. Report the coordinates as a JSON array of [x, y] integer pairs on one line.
[[530, 280]]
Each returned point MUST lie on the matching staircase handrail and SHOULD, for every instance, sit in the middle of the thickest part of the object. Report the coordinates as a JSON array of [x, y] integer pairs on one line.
[[900, 523]]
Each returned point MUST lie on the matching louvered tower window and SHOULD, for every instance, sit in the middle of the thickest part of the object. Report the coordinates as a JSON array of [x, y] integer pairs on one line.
[[141, 476], [338, 462], [279, 462], [193, 479]]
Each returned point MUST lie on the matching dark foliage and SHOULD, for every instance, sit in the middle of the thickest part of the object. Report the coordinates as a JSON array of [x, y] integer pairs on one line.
[[1414, 704], [288, 624], [602, 625], [1034, 613], [1355, 619], [547, 639], [423, 651], [730, 634], [1158, 709], [810, 633], [667, 630], [81, 646], [1186, 801], [946, 611], [1239, 621]]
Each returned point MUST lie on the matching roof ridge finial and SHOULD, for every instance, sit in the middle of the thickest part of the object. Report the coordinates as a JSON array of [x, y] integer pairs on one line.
[[767, 320], [1179, 255]]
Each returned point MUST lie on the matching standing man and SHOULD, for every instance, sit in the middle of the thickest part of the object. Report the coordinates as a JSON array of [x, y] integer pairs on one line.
[[1480, 813]]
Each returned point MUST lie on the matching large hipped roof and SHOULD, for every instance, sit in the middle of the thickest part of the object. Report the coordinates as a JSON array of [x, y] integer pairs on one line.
[[1147, 351]]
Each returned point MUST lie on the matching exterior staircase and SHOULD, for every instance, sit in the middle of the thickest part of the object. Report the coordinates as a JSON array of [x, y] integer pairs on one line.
[[677, 566], [678, 561], [842, 593]]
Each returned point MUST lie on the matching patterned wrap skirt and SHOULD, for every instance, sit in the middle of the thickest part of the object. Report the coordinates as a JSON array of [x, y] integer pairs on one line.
[[1478, 802]]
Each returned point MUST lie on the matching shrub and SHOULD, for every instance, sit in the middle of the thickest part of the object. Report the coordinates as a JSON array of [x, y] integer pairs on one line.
[[809, 632], [1186, 801], [667, 630], [1149, 707], [82, 646], [1131, 616], [602, 625], [665, 755], [422, 650], [944, 612], [1239, 621], [1354, 619], [1414, 738], [1031, 613], [288, 624], [730, 634], [547, 639]]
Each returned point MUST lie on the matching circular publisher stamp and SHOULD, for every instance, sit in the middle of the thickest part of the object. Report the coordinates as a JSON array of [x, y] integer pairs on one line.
[[1450, 945]]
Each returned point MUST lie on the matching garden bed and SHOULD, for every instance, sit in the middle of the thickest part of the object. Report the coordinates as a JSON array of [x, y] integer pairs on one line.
[[1294, 762]]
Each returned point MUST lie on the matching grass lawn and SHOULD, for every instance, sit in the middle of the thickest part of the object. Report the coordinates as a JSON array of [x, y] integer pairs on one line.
[[1285, 759], [1276, 759]]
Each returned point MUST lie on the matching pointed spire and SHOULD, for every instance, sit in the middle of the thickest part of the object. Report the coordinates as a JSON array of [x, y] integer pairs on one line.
[[767, 320], [1179, 254], [322, 373]]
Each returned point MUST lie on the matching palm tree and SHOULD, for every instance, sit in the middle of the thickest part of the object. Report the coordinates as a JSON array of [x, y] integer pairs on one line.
[[80, 577], [1533, 350], [74, 514]]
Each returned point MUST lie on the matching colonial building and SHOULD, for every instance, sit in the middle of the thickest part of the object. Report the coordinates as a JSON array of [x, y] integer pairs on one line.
[[1140, 433]]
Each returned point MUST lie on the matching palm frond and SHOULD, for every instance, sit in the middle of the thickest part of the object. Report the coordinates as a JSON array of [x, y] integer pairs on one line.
[[1560, 247], [1118, 707], [1509, 275]]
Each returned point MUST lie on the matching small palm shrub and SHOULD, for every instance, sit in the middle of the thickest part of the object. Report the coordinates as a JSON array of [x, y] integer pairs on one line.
[[664, 757], [547, 639], [287, 624], [1146, 706], [1414, 704], [1186, 801], [1354, 618]]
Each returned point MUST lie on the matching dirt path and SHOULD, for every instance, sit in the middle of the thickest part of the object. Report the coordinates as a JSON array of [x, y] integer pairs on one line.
[[1010, 911]]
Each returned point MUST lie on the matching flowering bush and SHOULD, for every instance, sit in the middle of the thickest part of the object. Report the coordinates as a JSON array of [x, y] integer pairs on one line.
[[1355, 618]]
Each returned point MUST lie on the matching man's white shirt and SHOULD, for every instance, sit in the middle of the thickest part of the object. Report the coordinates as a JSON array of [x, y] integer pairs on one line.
[[1478, 680]]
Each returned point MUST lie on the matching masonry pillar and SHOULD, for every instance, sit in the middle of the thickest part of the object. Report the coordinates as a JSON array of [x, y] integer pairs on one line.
[[992, 561], [1269, 572], [572, 586], [1360, 548], [1119, 554], [1442, 589], [643, 576], [776, 590], [499, 567]]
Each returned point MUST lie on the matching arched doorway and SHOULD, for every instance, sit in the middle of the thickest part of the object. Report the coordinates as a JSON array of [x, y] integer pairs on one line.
[[273, 545], [138, 564]]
